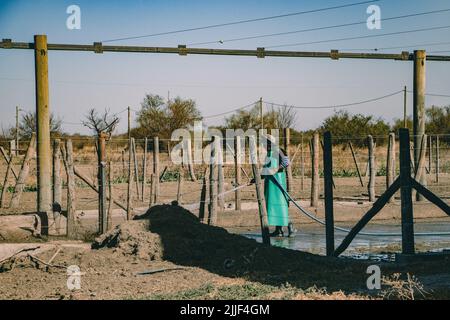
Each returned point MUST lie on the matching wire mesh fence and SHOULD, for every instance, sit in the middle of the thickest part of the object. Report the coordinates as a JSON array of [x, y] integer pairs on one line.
[[351, 171]]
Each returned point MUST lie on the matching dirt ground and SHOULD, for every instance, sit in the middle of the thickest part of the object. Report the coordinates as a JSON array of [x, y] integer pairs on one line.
[[185, 259]]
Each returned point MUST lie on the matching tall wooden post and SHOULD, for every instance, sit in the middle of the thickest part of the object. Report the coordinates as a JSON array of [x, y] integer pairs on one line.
[[102, 218], [419, 109], [56, 198], [71, 196], [56, 171], [430, 154], [287, 142], [259, 191], [372, 170], [44, 163], [405, 100], [189, 160], [212, 218], [437, 159], [130, 180], [390, 162], [315, 170], [156, 169], [136, 169], [202, 211], [220, 179], [302, 166], [17, 130], [144, 170], [237, 172], [406, 197], [328, 178], [111, 196], [179, 186]]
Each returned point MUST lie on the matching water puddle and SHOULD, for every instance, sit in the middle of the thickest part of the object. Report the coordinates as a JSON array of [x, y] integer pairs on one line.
[[311, 238]]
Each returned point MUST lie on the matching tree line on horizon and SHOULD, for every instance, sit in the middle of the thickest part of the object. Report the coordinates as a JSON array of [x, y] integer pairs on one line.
[[159, 117]]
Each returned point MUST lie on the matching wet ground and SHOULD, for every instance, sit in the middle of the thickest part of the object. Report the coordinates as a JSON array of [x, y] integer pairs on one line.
[[311, 238]]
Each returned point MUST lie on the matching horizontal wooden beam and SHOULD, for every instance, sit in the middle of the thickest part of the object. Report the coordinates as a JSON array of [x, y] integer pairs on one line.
[[98, 47]]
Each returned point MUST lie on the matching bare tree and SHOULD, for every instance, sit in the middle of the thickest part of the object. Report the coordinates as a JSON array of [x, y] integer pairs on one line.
[[286, 117], [104, 123]]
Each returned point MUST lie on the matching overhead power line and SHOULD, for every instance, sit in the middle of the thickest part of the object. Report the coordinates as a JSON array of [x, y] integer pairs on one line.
[[242, 21], [338, 105], [434, 94], [421, 45], [231, 111], [359, 37], [317, 28]]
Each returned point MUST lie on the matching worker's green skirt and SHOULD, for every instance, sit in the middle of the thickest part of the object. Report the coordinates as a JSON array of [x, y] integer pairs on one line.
[[276, 201]]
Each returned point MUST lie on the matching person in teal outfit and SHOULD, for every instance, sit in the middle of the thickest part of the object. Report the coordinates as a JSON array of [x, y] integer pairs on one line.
[[276, 200]]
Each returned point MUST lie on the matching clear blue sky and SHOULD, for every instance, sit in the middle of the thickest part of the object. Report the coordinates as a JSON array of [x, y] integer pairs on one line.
[[80, 81]]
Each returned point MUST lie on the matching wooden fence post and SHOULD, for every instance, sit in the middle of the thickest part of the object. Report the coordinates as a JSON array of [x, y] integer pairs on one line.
[[71, 196], [144, 171], [179, 186], [287, 142], [237, 171], [189, 160], [56, 171], [102, 218], [156, 169], [136, 170], [372, 170], [5, 182], [430, 153], [202, 211], [406, 195], [111, 196], [390, 163], [259, 192], [437, 159], [328, 179], [130, 180], [44, 161], [212, 218], [420, 174], [23, 174], [124, 171], [220, 181], [152, 183], [302, 165], [315, 170]]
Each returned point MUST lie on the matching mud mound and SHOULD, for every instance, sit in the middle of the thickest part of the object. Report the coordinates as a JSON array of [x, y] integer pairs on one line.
[[132, 238], [171, 233]]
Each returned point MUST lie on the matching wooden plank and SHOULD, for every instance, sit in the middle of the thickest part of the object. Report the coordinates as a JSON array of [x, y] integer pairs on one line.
[[377, 206], [24, 171], [390, 162], [7, 160], [430, 196], [356, 164]]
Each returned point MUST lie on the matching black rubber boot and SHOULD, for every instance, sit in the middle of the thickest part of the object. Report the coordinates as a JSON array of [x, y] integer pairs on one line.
[[278, 232], [291, 229]]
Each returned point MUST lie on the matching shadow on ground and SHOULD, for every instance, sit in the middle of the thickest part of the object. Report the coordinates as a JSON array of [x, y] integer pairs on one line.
[[187, 242]]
